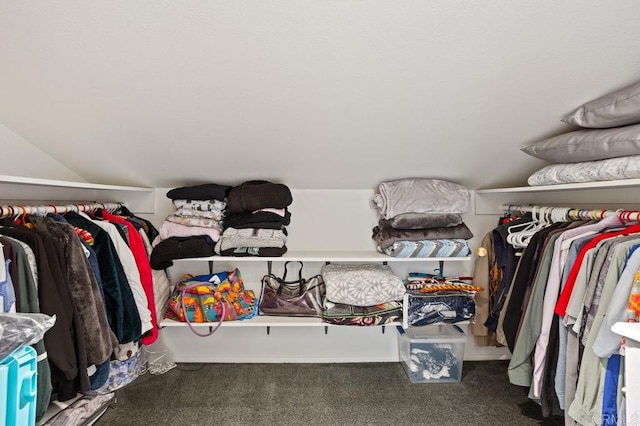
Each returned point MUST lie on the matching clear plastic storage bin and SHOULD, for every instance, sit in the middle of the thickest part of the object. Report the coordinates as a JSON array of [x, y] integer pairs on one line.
[[433, 353]]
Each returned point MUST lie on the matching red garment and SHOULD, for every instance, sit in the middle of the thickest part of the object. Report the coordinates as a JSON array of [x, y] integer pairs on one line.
[[142, 262], [563, 300]]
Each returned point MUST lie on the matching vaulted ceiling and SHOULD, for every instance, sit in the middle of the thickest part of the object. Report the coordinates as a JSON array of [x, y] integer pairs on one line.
[[332, 94]]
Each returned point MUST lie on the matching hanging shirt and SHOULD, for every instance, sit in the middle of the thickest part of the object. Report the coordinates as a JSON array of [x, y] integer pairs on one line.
[[560, 254], [561, 306]]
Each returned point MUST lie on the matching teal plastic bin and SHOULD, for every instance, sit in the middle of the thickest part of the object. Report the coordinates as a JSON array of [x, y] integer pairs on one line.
[[18, 388]]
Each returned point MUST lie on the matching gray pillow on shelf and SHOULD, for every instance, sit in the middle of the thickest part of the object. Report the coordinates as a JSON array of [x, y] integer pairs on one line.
[[588, 145], [619, 108]]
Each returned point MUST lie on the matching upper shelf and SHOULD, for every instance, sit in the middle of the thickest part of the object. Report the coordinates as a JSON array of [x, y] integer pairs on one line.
[[330, 256], [625, 183], [19, 188], [611, 194]]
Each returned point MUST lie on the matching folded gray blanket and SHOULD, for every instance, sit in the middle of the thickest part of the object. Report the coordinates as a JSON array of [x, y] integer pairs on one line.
[[422, 220], [419, 195], [386, 236], [258, 194]]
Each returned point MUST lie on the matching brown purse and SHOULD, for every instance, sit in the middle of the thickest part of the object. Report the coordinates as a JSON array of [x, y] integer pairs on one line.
[[298, 298]]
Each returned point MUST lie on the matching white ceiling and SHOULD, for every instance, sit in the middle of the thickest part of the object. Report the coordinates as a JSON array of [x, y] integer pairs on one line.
[[332, 94]]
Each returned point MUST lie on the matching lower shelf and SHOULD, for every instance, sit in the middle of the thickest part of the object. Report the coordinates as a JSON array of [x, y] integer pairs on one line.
[[264, 321], [267, 321]]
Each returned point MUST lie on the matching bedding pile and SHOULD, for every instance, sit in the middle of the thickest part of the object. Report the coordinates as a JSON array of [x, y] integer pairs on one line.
[[421, 217], [607, 147]]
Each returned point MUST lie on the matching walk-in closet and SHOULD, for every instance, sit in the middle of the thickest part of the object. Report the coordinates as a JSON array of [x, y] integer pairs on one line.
[[319, 212]]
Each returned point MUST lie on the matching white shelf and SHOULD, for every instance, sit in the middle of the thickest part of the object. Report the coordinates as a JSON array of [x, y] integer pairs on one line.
[[624, 183], [329, 256], [19, 188], [612, 195], [268, 321], [69, 184], [264, 321]]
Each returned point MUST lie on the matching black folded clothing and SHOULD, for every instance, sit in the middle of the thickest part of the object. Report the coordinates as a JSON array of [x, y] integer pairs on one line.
[[255, 251], [251, 220], [258, 194], [181, 248], [207, 191]]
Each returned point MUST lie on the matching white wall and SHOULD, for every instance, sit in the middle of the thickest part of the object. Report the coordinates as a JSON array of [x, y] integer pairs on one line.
[[319, 94], [20, 158]]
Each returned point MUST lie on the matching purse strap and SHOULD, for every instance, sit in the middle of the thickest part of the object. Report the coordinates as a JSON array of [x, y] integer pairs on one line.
[[183, 290], [286, 265]]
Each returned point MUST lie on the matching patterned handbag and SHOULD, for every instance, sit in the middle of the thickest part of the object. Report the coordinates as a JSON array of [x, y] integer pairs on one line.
[[211, 298]]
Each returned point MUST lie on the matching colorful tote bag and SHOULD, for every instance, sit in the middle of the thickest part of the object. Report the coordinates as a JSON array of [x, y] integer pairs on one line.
[[212, 298]]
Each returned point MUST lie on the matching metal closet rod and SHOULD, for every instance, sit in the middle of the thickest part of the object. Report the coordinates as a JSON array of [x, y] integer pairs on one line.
[[41, 210], [567, 213]]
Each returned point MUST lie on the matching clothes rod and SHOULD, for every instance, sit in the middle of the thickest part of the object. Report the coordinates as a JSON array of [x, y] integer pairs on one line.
[[42, 210], [557, 214]]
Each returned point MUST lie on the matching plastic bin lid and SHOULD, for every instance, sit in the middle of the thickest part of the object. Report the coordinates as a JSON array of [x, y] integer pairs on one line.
[[436, 332]]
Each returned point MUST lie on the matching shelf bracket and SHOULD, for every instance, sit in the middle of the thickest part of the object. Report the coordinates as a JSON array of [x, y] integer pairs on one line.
[[211, 267], [383, 329], [326, 330], [440, 270], [269, 267], [268, 330]]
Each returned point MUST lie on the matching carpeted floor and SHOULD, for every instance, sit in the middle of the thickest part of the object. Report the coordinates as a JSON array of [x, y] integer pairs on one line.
[[320, 394]]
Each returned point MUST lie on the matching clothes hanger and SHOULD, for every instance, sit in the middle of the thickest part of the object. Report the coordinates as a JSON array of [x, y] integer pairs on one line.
[[542, 219]]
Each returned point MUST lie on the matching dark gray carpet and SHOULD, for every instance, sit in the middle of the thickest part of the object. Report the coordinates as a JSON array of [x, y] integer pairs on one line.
[[319, 394]]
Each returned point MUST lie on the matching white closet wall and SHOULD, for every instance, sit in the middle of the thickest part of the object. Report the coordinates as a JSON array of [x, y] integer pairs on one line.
[[21, 158]]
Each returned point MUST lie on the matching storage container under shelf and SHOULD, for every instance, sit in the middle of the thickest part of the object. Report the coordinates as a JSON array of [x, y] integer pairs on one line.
[[18, 388], [432, 354]]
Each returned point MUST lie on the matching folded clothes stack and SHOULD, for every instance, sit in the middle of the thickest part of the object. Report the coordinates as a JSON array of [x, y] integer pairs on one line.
[[256, 218], [193, 229], [421, 218]]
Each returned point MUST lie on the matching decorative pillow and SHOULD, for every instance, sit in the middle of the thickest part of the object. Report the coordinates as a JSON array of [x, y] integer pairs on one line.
[[362, 285], [589, 171], [619, 108], [588, 145]]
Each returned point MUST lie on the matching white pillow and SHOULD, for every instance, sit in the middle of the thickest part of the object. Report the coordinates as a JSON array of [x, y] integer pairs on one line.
[[619, 108]]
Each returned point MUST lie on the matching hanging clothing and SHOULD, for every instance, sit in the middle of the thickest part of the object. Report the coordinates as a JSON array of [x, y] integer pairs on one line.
[[98, 336], [27, 302], [144, 268], [124, 318]]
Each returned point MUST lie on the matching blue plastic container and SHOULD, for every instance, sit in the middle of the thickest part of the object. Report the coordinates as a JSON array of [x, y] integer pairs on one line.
[[18, 388]]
